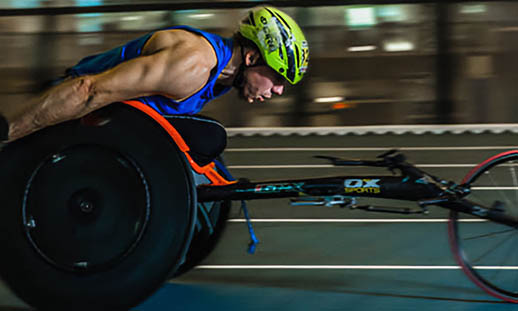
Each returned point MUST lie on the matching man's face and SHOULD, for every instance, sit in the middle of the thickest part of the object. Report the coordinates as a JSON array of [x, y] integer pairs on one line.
[[260, 83]]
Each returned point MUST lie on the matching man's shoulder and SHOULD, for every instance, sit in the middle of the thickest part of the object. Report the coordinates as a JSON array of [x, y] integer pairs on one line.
[[184, 60], [183, 45], [174, 38]]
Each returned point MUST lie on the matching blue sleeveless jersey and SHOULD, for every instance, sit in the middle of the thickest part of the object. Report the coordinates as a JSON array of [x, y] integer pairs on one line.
[[100, 62]]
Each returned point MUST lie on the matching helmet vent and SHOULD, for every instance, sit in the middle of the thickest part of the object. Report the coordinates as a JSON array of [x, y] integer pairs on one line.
[[298, 56], [279, 17], [251, 18], [283, 21]]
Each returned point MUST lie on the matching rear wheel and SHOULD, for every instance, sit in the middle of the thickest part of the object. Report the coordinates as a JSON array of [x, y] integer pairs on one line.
[[95, 216], [487, 251], [211, 221]]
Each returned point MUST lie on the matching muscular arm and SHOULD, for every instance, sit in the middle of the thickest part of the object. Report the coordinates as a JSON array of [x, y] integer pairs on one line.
[[176, 70]]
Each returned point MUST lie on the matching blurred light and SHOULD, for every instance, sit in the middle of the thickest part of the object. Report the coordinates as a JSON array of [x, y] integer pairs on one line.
[[341, 105], [25, 3], [87, 3], [473, 8], [363, 48], [360, 17], [131, 18], [400, 46], [391, 13], [328, 99], [508, 29], [201, 16]]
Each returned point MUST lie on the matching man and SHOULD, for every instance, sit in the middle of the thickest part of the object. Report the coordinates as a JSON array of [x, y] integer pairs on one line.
[[176, 71]]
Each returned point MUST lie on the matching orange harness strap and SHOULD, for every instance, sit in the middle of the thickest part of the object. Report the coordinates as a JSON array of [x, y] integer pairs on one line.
[[208, 170]]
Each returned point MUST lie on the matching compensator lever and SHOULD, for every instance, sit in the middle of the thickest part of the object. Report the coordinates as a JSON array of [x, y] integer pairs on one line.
[[323, 201]]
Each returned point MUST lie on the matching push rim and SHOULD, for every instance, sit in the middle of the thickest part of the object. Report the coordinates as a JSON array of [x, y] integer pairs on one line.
[[486, 251], [86, 208]]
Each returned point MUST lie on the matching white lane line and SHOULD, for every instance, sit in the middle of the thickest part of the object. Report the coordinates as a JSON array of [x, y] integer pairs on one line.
[[345, 267], [301, 220], [278, 166], [299, 166], [289, 149], [445, 165], [375, 129]]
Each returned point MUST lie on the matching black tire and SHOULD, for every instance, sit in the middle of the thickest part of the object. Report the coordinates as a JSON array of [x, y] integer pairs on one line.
[[486, 251], [211, 221], [94, 217]]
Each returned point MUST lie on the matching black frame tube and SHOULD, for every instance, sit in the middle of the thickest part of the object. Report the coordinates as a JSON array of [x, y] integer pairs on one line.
[[382, 187], [385, 187]]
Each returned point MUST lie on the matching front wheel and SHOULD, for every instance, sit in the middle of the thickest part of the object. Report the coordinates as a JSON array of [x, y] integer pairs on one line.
[[486, 251]]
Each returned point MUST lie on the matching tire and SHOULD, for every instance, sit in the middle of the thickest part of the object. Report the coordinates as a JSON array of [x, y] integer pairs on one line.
[[94, 217], [484, 249], [211, 221]]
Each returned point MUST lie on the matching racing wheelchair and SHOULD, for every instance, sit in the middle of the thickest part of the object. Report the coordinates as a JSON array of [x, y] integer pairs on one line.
[[98, 215]]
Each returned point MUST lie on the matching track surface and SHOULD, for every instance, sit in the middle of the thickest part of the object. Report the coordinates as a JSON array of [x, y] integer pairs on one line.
[[317, 236]]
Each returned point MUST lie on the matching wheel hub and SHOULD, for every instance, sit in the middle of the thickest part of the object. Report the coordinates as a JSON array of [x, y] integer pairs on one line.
[[86, 208]]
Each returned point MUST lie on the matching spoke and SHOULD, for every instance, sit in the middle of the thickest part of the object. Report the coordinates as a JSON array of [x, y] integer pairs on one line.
[[515, 180], [509, 253], [489, 234], [494, 244], [492, 249], [515, 283], [499, 191]]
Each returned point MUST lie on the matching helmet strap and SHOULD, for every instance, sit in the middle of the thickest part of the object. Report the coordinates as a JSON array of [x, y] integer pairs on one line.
[[240, 77]]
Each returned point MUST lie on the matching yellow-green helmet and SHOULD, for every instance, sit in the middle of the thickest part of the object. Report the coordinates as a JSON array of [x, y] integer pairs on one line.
[[280, 41]]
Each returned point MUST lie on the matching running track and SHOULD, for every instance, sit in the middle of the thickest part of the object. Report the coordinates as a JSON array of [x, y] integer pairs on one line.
[[319, 258]]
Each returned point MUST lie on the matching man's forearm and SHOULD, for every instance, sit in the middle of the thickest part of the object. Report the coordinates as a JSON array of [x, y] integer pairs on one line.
[[67, 101], [72, 99]]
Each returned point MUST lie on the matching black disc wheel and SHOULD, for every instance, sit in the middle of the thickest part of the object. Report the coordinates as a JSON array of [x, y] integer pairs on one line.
[[77, 213], [95, 216], [488, 251], [211, 221]]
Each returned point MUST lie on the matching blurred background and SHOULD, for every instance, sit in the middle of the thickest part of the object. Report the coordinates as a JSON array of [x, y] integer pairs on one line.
[[417, 63]]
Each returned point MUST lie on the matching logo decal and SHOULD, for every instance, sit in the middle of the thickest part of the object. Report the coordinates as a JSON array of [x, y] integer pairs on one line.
[[362, 186], [275, 188], [305, 57], [269, 36]]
